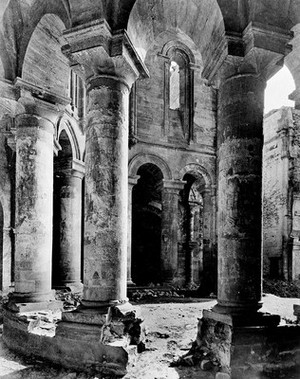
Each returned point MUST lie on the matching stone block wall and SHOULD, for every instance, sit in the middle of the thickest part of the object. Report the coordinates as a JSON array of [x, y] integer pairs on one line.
[[165, 138], [281, 194], [275, 195]]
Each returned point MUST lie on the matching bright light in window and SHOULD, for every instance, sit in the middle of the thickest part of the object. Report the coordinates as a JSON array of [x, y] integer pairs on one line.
[[174, 85]]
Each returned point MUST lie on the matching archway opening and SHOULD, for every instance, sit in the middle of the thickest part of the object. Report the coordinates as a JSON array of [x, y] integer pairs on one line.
[[62, 164], [192, 228], [146, 225]]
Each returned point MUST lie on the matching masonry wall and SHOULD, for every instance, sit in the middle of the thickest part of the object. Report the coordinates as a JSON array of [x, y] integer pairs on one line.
[[276, 192], [168, 142]]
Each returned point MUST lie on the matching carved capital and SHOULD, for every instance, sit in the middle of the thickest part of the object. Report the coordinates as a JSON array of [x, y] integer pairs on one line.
[[259, 50], [132, 181], [173, 186], [102, 52], [36, 101]]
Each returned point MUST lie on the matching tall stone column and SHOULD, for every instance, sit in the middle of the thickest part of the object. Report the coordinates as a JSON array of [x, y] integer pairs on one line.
[[110, 66], [70, 228], [132, 181], [106, 196], [169, 233], [240, 140], [34, 188]]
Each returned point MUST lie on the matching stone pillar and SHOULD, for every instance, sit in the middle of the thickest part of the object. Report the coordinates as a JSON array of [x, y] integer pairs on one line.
[[169, 233], [240, 141], [106, 191], [110, 68], [34, 198], [70, 228], [132, 181]]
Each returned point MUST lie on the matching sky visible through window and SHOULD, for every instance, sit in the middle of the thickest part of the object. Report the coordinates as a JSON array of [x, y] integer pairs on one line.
[[279, 87]]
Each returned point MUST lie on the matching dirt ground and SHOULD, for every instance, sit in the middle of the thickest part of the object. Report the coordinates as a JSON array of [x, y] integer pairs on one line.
[[171, 328]]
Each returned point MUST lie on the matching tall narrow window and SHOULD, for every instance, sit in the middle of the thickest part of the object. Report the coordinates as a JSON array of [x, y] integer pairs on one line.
[[178, 92], [174, 85]]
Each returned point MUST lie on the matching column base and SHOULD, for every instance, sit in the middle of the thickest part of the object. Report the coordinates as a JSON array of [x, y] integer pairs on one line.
[[32, 297], [262, 350], [246, 315], [74, 287], [84, 339]]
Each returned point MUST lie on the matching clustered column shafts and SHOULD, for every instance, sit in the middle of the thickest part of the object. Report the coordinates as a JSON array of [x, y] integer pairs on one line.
[[106, 191], [34, 198], [240, 141]]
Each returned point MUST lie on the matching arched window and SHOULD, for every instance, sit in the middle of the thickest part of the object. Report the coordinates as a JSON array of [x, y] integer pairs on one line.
[[179, 82]]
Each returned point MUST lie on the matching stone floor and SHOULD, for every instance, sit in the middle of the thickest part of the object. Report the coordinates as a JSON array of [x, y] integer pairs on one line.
[[171, 328]]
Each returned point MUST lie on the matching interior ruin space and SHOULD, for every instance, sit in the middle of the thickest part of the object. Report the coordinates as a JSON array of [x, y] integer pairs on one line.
[[135, 153]]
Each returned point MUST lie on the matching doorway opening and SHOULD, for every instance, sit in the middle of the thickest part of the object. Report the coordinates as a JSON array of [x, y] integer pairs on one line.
[[146, 226]]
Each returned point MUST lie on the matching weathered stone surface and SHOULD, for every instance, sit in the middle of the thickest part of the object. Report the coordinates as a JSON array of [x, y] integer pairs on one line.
[[222, 375], [34, 201], [68, 206], [240, 174], [70, 350], [106, 191], [169, 230]]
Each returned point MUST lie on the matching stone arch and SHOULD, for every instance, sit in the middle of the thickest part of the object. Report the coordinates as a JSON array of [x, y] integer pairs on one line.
[[147, 20], [140, 159], [65, 125], [43, 64], [19, 21], [196, 170], [180, 46]]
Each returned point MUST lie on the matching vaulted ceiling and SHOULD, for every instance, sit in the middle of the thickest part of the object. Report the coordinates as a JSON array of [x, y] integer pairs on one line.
[[204, 21]]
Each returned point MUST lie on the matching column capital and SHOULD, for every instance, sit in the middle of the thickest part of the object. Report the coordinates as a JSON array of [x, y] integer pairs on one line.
[[75, 169], [100, 51], [132, 180], [36, 100], [258, 50], [173, 185], [27, 120]]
